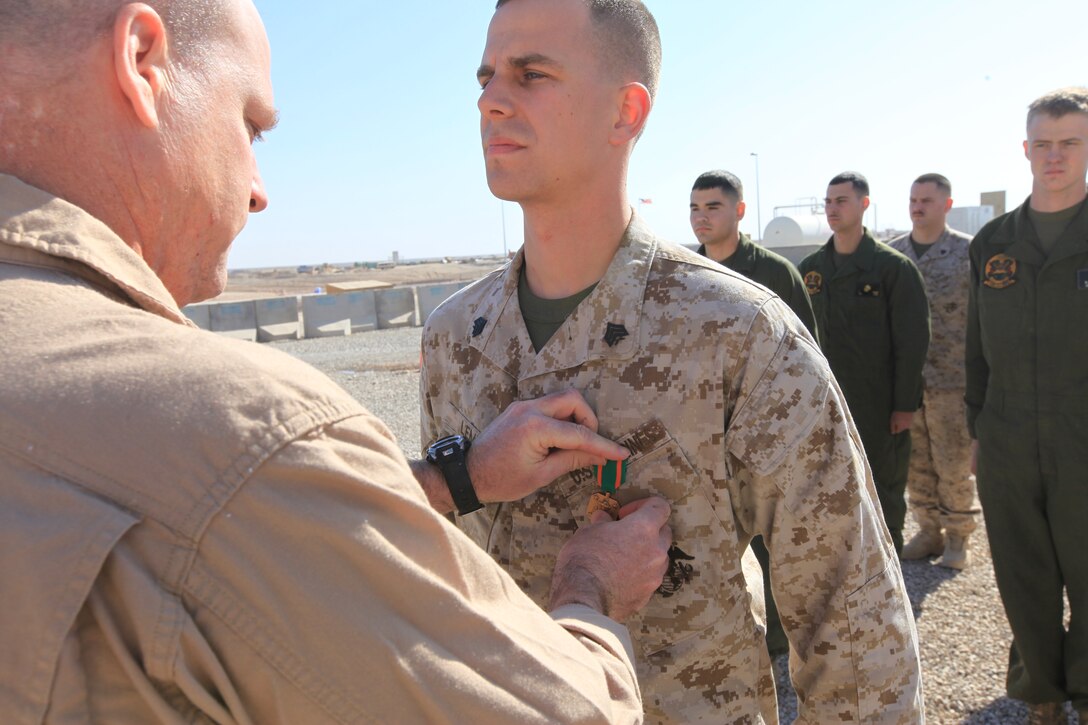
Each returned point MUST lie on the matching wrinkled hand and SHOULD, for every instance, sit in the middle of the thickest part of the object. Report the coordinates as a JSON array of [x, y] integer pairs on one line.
[[615, 566], [901, 421], [534, 442]]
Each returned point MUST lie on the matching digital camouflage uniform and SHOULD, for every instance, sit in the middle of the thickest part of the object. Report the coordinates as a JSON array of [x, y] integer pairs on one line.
[[731, 414], [1027, 404], [777, 274], [774, 272], [874, 329], [940, 488]]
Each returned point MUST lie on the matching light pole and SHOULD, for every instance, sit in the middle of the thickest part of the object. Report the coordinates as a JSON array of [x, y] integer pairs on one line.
[[759, 217]]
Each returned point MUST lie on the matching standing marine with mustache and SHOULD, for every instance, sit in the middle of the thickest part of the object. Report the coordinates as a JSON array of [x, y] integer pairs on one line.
[[940, 489], [873, 318]]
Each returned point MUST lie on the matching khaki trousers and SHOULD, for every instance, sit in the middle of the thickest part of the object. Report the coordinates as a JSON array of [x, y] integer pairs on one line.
[[940, 488]]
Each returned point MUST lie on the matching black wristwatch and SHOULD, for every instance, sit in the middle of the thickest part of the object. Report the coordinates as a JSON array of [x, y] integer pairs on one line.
[[449, 455]]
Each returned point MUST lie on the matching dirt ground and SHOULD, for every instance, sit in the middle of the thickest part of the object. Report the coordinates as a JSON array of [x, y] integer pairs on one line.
[[282, 282]]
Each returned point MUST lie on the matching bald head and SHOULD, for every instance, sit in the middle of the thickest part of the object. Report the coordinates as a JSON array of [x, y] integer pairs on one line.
[[143, 115], [48, 35]]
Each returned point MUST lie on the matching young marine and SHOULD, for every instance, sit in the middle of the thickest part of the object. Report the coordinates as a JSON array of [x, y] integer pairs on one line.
[[712, 383]]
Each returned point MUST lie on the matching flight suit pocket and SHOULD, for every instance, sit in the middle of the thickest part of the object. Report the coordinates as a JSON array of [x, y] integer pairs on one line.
[[689, 600]]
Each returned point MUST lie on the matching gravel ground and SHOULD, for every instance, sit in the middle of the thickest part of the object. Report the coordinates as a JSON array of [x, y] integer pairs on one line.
[[962, 628]]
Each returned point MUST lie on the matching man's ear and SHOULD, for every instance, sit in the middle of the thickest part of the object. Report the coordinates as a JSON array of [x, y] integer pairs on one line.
[[864, 203], [741, 207], [139, 59], [948, 203], [634, 108]]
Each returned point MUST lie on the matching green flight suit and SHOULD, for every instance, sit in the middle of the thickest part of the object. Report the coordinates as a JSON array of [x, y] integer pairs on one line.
[[774, 272], [1027, 404], [777, 274], [873, 319]]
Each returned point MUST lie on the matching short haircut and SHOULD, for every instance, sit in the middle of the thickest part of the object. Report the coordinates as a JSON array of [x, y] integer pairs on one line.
[[65, 28], [856, 180], [942, 182], [1072, 99], [629, 39], [728, 183]]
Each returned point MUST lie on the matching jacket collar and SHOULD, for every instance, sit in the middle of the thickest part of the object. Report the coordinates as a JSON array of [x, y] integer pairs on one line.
[[1073, 241], [610, 314], [742, 260], [40, 230], [862, 258], [939, 248]]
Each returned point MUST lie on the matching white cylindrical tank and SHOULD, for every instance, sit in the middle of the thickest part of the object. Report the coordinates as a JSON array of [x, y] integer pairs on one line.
[[795, 231]]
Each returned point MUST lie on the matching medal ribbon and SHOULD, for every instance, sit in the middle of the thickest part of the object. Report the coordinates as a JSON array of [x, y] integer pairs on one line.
[[611, 475]]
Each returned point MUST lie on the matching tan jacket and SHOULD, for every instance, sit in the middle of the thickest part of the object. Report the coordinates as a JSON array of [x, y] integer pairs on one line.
[[946, 269], [195, 529], [731, 413]]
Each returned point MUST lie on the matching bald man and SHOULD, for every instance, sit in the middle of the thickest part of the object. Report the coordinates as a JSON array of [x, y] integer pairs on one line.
[[194, 529]]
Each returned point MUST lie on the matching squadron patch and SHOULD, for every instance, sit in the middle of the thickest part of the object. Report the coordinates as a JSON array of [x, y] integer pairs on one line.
[[1000, 272], [814, 282]]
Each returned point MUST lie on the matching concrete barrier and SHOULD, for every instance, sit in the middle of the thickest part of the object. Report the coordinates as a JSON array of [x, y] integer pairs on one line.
[[325, 316], [278, 319], [335, 315], [431, 296], [395, 307], [199, 314], [234, 319]]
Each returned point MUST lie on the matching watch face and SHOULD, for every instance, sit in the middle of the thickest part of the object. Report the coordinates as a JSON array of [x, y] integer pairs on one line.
[[445, 446]]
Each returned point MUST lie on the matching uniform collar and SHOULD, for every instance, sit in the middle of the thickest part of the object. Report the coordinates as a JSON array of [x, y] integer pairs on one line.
[[40, 230], [611, 313], [939, 248], [742, 260], [1073, 241], [862, 258]]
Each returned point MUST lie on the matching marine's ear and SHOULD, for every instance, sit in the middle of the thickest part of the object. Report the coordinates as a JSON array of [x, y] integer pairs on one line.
[[139, 59], [634, 108]]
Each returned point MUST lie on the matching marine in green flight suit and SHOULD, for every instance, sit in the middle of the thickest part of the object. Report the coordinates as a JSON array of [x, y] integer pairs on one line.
[[1027, 406], [717, 207], [873, 318]]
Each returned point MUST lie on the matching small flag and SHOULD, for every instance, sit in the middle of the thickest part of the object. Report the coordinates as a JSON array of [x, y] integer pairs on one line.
[[645, 201]]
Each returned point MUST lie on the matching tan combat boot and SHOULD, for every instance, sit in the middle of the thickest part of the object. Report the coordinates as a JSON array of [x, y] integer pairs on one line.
[[1047, 713], [956, 555], [927, 542]]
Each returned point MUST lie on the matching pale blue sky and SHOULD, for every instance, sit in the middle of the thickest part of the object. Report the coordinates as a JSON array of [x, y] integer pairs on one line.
[[378, 146]]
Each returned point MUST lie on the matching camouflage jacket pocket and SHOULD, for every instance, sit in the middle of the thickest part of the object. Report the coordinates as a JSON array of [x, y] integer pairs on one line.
[[703, 557]]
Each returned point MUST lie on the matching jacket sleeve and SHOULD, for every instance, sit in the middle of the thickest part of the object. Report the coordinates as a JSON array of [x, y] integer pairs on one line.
[[329, 590], [910, 329], [978, 369], [799, 467]]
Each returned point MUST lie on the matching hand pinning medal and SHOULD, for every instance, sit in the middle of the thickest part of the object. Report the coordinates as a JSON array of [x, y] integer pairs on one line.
[[609, 477]]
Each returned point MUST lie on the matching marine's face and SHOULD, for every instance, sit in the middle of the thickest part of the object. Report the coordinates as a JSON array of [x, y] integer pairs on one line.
[[209, 124], [715, 215], [844, 207], [546, 106], [929, 205], [1058, 151]]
